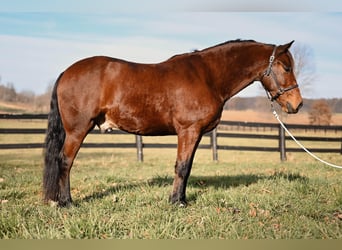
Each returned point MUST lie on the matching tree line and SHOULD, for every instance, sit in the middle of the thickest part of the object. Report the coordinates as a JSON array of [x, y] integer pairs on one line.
[[32, 102]]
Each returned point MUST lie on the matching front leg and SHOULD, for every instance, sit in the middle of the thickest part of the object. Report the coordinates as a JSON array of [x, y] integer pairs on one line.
[[187, 144], [182, 173]]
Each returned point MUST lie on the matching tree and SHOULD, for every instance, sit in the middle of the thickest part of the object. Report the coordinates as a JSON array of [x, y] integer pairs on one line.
[[10, 93], [320, 113], [304, 66]]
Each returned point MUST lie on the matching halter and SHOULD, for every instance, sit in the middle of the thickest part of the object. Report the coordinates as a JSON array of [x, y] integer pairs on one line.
[[269, 72]]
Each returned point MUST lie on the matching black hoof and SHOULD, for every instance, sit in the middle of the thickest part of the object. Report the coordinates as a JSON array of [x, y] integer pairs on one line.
[[178, 201], [65, 203]]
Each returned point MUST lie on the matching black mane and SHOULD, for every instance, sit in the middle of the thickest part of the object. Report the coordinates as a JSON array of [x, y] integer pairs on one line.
[[228, 42], [212, 47]]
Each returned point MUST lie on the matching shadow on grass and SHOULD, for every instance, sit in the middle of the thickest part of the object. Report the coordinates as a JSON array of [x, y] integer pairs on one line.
[[288, 176], [213, 181], [107, 192], [216, 182], [228, 181]]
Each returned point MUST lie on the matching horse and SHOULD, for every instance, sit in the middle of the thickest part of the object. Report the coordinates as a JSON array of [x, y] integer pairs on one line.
[[181, 96]]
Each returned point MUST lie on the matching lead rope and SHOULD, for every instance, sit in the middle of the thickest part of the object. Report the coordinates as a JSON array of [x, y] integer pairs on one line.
[[299, 144]]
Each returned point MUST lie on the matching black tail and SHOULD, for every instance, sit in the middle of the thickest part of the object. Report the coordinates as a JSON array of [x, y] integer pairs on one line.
[[54, 141]]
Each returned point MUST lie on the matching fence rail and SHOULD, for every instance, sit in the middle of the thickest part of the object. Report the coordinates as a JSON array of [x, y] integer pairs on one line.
[[214, 135]]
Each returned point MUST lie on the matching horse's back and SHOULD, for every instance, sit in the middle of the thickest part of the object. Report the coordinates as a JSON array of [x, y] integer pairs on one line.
[[114, 93], [147, 99]]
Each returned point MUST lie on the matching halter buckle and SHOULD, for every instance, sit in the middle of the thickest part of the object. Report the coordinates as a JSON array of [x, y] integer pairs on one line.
[[272, 58]]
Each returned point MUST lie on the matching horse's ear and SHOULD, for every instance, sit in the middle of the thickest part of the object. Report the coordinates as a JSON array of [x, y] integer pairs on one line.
[[284, 48]]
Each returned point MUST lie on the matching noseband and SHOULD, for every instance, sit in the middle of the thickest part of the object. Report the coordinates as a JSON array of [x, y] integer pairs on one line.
[[269, 72]]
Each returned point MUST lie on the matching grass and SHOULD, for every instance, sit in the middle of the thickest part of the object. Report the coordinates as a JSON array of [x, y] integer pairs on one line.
[[116, 197], [246, 195]]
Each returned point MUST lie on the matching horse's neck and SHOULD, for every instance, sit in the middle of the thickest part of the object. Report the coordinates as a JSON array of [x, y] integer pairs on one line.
[[235, 68]]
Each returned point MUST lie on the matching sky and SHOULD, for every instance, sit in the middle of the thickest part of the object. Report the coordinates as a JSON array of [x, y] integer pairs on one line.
[[40, 39]]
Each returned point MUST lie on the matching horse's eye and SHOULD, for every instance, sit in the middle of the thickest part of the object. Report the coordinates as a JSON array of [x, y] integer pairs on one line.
[[287, 69]]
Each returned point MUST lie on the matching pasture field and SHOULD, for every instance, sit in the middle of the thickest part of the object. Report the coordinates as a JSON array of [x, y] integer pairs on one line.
[[246, 195]]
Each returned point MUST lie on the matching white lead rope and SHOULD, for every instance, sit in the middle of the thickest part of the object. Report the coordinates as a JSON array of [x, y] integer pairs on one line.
[[301, 145]]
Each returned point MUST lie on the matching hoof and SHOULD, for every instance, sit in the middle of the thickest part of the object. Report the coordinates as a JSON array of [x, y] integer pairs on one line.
[[176, 201], [183, 204], [63, 203], [52, 203]]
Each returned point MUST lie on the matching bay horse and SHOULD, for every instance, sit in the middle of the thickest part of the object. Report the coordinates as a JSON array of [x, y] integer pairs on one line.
[[181, 96]]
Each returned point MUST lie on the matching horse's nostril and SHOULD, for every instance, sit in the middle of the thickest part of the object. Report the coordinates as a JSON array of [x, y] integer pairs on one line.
[[299, 106], [289, 108], [292, 110]]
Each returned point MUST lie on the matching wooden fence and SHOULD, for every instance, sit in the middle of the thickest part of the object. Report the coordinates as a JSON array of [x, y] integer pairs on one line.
[[214, 135]]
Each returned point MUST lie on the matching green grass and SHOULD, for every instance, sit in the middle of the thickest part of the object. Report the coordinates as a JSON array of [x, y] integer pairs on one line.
[[116, 197], [246, 195]]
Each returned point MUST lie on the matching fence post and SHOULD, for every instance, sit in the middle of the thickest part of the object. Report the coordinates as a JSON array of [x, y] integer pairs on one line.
[[213, 143], [282, 143], [140, 154]]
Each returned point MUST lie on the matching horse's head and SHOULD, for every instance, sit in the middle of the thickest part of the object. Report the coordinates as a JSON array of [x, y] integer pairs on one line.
[[279, 80]]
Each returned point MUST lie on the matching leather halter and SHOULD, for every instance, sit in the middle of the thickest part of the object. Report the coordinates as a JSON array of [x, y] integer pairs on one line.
[[269, 72]]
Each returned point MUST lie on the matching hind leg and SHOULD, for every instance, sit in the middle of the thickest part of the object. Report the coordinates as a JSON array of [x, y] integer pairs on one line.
[[71, 147]]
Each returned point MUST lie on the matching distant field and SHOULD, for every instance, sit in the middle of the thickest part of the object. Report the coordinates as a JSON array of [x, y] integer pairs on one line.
[[255, 116], [228, 115], [246, 195], [6, 108]]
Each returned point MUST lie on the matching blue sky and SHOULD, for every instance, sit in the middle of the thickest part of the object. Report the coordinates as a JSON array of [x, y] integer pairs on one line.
[[39, 39]]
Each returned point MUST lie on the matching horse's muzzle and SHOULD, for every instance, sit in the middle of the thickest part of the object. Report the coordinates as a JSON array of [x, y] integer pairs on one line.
[[291, 109]]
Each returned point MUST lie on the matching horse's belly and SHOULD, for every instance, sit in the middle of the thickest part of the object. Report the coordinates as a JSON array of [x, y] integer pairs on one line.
[[142, 124]]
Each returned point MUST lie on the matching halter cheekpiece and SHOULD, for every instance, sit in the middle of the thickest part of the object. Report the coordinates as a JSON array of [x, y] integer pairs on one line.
[[269, 72]]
